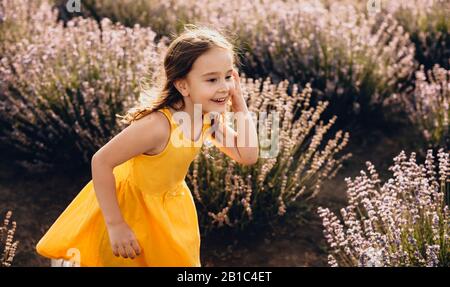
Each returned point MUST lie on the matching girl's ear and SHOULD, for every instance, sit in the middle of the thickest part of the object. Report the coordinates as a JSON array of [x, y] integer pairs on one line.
[[181, 86]]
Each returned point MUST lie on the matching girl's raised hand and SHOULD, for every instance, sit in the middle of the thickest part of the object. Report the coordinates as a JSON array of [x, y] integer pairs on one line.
[[237, 100], [123, 241]]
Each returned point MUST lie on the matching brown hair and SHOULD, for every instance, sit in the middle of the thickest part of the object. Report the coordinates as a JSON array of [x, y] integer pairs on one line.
[[180, 56]]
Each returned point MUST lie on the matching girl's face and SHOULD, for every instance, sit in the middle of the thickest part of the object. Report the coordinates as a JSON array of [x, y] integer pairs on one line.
[[210, 81]]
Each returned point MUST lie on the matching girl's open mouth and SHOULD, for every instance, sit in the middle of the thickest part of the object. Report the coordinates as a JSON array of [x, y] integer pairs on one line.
[[220, 101]]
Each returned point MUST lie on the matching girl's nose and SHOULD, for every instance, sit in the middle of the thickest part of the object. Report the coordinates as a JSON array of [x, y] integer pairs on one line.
[[224, 88]]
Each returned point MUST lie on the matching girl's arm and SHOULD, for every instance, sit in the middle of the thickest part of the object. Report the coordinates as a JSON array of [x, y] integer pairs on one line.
[[141, 136], [242, 146]]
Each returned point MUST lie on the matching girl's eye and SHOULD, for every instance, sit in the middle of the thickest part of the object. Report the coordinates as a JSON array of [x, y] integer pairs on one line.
[[213, 80]]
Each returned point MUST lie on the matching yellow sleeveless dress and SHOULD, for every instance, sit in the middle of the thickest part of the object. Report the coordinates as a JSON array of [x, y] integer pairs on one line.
[[155, 202]]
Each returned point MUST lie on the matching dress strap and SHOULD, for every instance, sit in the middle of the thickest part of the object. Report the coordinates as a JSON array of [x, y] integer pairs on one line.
[[168, 114]]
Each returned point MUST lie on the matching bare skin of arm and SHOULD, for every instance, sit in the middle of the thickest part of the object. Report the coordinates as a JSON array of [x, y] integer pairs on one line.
[[240, 145], [148, 134]]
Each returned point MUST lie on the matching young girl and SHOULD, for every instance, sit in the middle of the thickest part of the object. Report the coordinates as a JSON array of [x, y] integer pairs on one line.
[[138, 210]]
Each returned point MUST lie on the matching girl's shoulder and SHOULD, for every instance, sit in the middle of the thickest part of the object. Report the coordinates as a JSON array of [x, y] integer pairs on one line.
[[148, 134], [154, 128], [157, 122]]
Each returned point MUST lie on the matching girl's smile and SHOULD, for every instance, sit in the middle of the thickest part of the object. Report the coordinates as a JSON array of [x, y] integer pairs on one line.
[[220, 101]]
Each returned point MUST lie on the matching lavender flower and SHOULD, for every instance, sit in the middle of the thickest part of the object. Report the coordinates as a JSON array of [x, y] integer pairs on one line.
[[62, 87], [8, 247], [428, 106], [404, 222], [334, 46]]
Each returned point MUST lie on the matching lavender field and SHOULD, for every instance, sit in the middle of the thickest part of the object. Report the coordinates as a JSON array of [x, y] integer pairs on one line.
[[362, 90]]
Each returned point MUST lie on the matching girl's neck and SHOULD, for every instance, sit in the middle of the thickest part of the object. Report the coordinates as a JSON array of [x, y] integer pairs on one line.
[[196, 116]]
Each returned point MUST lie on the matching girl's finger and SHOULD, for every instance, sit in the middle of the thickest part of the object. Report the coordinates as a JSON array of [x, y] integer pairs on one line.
[[136, 247], [122, 251], [237, 87], [115, 251], [129, 250]]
